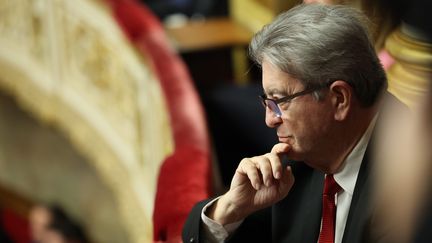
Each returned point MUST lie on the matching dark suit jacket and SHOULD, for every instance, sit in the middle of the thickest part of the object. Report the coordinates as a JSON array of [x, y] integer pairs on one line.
[[297, 217]]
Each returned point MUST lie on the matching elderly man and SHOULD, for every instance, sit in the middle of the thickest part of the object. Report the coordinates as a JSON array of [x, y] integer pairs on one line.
[[322, 81]]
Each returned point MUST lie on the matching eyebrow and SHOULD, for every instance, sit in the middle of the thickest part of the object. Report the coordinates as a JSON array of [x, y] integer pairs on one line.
[[274, 91]]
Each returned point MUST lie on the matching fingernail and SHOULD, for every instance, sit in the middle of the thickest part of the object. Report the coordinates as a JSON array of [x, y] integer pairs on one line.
[[278, 175]]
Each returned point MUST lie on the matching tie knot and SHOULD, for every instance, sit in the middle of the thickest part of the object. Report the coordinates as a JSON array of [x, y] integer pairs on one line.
[[330, 186]]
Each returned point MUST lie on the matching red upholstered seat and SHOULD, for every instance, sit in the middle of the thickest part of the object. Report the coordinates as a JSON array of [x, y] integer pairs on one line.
[[15, 226]]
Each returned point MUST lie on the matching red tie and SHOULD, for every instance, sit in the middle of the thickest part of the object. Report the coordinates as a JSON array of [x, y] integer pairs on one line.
[[331, 187]]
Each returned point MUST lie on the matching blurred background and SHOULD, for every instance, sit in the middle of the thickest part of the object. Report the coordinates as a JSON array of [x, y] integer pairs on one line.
[[117, 116]]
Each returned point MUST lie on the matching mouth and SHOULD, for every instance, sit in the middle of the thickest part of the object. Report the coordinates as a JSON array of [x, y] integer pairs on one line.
[[284, 139]]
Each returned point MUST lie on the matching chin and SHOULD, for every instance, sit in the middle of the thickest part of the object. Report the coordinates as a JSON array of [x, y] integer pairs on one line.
[[294, 155]]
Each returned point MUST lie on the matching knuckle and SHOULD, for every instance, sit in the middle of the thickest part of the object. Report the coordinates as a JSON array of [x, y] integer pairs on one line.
[[257, 158], [274, 156], [244, 161], [264, 164]]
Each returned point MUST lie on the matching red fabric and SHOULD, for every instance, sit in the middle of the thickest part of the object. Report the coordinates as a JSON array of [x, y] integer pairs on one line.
[[184, 185], [185, 176], [16, 226], [327, 233]]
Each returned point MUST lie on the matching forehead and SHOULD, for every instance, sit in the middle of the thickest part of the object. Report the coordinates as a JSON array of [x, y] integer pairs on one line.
[[276, 81]]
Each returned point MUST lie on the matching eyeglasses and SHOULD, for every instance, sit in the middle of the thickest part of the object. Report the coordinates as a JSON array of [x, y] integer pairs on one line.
[[273, 104]]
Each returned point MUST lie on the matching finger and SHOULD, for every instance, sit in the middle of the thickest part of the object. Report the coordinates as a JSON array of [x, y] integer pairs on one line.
[[265, 168], [250, 169], [276, 165], [280, 148]]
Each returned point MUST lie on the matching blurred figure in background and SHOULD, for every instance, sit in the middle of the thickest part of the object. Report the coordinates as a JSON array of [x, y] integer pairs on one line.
[[385, 15], [50, 224], [40, 217], [187, 9]]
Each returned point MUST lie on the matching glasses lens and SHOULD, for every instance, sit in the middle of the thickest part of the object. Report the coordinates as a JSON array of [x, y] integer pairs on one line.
[[274, 107]]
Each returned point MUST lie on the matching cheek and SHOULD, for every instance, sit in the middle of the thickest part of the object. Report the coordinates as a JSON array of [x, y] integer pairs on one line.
[[294, 127], [309, 123]]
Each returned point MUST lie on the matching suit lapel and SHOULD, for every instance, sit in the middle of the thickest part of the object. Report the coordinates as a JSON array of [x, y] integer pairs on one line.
[[359, 211]]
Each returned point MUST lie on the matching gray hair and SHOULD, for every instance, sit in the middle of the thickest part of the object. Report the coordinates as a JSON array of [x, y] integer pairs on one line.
[[317, 44]]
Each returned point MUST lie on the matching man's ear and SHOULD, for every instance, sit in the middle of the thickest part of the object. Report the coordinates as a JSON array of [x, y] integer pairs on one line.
[[341, 94]]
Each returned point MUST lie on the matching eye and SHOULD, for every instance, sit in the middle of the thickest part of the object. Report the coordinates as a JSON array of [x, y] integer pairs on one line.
[[284, 103]]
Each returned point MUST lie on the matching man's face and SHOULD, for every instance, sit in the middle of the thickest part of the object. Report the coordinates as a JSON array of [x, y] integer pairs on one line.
[[306, 123]]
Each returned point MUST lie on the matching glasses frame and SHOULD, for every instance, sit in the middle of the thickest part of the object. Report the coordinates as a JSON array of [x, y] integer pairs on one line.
[[288, 98]]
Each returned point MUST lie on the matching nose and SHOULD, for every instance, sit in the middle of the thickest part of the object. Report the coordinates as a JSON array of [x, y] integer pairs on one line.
[[271, 119]]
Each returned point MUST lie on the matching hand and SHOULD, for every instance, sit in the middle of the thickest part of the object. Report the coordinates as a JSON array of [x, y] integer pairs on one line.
[[257, 183]]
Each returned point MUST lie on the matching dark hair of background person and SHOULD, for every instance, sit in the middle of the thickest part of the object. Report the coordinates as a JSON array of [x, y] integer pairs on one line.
[[190, 8], [68, 228]]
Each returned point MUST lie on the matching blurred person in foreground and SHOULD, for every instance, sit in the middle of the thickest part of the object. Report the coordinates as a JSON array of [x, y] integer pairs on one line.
[[403, 180], [322, 85]]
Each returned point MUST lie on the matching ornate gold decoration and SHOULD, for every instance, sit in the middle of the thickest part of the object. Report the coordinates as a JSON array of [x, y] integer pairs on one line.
[[242, 10], [411, 74], [68, 63]]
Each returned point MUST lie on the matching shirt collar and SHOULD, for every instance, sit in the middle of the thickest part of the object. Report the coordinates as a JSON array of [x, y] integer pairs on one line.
[[347, 177]]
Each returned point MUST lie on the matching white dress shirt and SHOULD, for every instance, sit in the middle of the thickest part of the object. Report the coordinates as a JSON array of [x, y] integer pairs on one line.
[[346, 178]]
